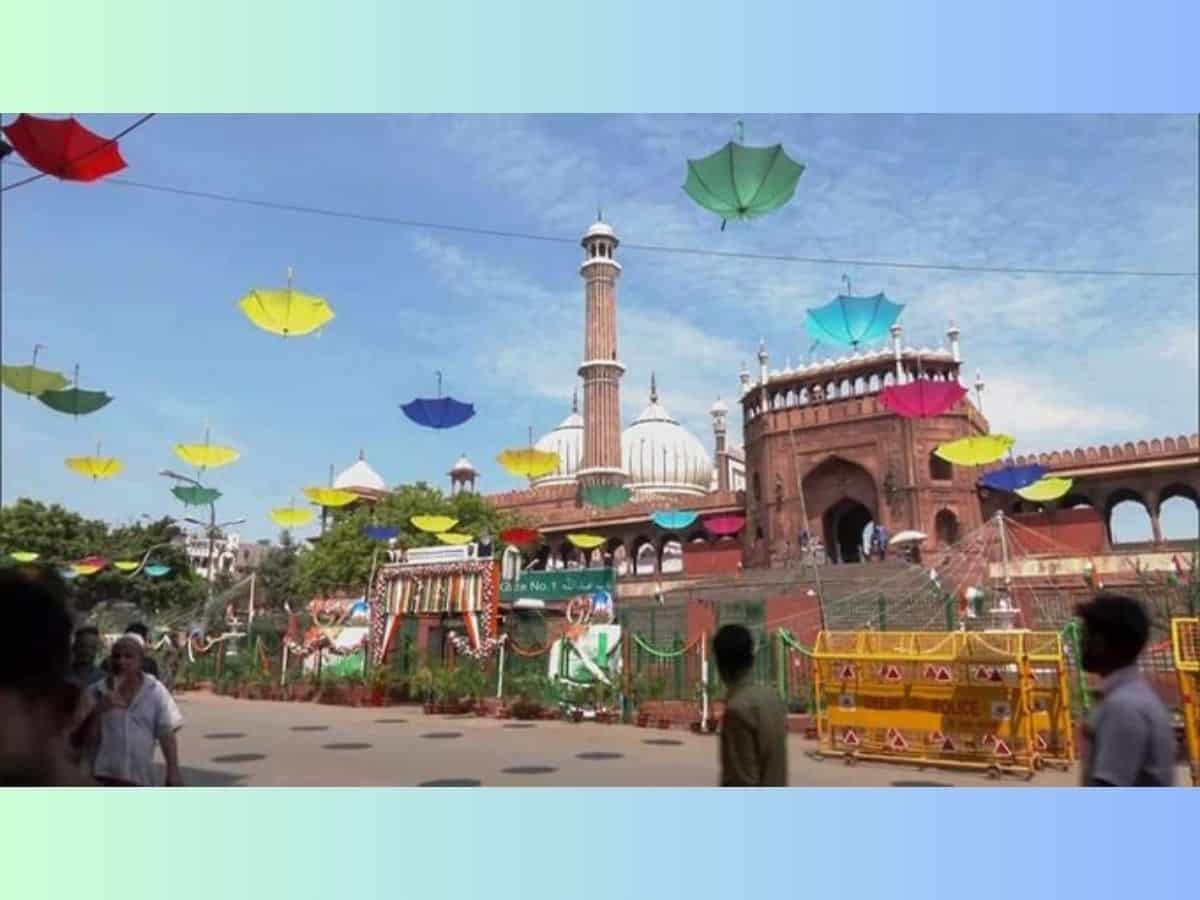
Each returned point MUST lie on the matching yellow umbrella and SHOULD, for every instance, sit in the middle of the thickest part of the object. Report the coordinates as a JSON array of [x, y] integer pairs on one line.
[[24, 556], [977, 450], [586, 541], [1047, 488], [95, 467], [450, 537], [324, 496], [206, 455], [291, 516], [286, 311], [434, 524], [126, 565], [528, 462]]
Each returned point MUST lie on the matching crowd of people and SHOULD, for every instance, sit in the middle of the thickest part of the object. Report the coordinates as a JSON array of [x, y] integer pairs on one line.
[[71, 720]]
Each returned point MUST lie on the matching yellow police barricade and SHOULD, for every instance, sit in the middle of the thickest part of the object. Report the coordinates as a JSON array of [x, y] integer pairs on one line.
[[992, 701], [1185, 647]]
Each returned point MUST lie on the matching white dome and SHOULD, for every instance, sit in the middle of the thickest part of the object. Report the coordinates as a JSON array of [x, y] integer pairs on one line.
[[361, 476], [661, 456], [567, 441], [719, 408], [463, 466], [599, 229]]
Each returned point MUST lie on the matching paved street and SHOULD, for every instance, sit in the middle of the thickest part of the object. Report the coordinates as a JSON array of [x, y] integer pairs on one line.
[[245, 742]]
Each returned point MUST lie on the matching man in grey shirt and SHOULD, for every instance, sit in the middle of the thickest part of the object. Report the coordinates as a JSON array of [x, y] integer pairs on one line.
[[1129, 738], [754, 728]]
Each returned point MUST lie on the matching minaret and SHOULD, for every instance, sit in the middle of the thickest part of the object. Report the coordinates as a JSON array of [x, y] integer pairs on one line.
[[718, 412], [600, 370]]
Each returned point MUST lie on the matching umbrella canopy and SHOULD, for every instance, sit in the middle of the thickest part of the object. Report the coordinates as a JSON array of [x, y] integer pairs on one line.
[[95, 467], [450, 537], [1045, 489], [923, 398], [90, 566], [323, 496], [674, 519], [724, 525], [30, 380], [907, 537], [24, 556], [606, 495], [977, 450], [195, 495], [64, 148], [74, 400], [528, 462], [586, 541], [519, 536], [1012, 478], [126, 565], [156, 570], [68, 573], [740, 182], [291, 516], [433, 524], [851, 320], [438, 412], [286, 311], [381, 532], [206, 455]]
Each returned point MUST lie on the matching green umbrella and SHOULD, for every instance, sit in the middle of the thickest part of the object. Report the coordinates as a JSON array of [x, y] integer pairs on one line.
[[74, 400], [30, 380], [740, 182], [605, 495], [196, 495]]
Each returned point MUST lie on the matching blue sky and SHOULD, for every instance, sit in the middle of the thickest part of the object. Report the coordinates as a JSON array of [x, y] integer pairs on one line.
[[140, 288]]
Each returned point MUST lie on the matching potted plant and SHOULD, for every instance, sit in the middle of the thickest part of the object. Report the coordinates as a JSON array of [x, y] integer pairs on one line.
[[422, 684], [399, 690], [604, 696], [525, 688], [381, 683], [470, 681]]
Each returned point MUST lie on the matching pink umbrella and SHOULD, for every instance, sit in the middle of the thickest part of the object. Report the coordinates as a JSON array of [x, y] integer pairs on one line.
[[922, 398], [723, 525]]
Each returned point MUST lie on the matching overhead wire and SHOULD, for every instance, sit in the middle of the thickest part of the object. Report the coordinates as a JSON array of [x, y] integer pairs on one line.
[[107, 143]]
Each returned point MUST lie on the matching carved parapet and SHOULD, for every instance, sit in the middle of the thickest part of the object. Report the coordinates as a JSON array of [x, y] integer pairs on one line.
[[1127, 452]]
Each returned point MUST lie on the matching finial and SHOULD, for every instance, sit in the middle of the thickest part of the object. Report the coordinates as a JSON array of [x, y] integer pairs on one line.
[[362, 455], [575, 400], [953, 329], [599, 213], [849, 289], [653, 389]]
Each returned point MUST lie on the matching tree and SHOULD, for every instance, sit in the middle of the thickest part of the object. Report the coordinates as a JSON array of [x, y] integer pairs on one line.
[[341, 558], [276, 572]]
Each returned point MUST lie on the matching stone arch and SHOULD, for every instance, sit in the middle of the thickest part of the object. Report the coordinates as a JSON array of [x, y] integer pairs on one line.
[[939, 469], [620, 559], [849, 497], [1132, 527], [946, 528], [1178, 512], [670, 554], [644, 556]]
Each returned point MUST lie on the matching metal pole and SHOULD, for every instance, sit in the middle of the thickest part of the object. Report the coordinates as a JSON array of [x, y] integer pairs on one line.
[[250, 612], [804, 517]]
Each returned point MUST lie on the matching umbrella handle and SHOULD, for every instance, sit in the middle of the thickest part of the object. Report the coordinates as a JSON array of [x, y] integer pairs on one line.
[[439, 381]]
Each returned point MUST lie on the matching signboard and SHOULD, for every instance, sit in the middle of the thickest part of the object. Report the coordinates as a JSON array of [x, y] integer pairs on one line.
[[595, 653], [557, 584]]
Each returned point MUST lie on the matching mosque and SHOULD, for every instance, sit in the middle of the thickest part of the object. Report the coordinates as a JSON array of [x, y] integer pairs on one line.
[[820, 456]]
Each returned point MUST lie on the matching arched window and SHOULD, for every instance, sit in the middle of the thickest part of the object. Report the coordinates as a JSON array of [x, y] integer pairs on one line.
[[939, 469]]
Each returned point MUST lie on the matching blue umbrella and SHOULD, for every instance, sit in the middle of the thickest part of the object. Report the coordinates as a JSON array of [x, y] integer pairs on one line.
[[381, 532], [156, 570], [672, 519], [1012, 478], [439, 411], [853, 320]]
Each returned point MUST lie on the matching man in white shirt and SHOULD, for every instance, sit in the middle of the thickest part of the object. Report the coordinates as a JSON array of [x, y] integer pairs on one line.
[[133, 711]]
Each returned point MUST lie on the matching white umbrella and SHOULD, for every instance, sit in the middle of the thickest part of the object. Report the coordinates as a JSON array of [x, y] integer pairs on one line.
[[907, 537]]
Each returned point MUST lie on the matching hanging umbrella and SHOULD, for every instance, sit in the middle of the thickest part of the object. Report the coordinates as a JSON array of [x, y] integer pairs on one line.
[[74, 400], [323, 496], [977, 450], [1012, 478], [64, 148], [519, 536], [206, 455], [1046, 489], [156, 570], [528, 462], [923, 398], [195, 495], [126, 565], [433, 524], [673, 519], [291, 516], [851, 320], [30, 380], [286, 311], [439, 411], [723, 525], [450, 537], [24, 556], [605, 495], [68, 573], [586, 541], [90, 566], [907, 537], [740, 182], [381, 532], [95, 467]]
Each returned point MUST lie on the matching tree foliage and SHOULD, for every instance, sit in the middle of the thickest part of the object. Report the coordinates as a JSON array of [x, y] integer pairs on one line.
[[276, 573], [341, 559], [60, 537]]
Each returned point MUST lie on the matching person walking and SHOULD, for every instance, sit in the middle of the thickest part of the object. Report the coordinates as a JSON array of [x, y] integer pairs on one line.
[[84, 650], [1129, 738], [754, 728]]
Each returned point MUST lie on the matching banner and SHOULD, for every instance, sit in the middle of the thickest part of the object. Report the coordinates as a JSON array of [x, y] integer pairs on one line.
[[557, 584]]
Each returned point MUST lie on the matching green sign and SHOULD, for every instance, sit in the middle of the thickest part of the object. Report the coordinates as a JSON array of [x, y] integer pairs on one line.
[[557, 584]]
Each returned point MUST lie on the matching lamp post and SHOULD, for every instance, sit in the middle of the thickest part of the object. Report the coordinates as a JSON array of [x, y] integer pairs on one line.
[[212, 526]]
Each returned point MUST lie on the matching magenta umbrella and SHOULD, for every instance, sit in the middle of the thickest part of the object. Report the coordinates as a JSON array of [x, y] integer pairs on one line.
[[922, 398], [724, 525]]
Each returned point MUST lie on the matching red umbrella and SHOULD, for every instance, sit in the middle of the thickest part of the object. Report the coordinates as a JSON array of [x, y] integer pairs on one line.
[[922, 398], [64, 148], [519, 536]]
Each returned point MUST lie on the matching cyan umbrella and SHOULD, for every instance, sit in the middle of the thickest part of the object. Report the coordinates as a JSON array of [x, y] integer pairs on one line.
[[851, 320]]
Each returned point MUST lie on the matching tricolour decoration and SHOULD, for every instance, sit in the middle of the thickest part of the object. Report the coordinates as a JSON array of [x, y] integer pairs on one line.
[[728, 524], [851, 320], [923, 398], [438, 412], [673, 519], [976, 450], [64, 148], [332, 497], [586, 541], [740, 182], [286, 311], [433, 524], [1046, 489]]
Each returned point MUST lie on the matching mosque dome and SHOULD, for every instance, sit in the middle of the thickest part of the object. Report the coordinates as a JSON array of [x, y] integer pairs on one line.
[[661, 456], [567, 442], [463, 467], [360, 477]]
